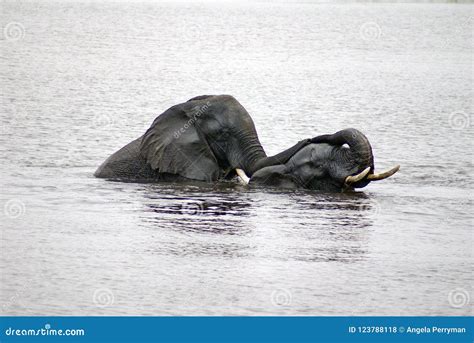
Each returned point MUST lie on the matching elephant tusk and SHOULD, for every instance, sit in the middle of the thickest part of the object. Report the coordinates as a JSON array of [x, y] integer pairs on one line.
[[242, 176], [384, 175], [356, 178]]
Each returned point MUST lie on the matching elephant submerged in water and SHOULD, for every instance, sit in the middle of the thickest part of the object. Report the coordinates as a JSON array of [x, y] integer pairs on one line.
[[209, 138]]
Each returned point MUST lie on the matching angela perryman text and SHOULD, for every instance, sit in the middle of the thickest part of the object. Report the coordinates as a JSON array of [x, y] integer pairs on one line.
[[435, 330], [406, 330]]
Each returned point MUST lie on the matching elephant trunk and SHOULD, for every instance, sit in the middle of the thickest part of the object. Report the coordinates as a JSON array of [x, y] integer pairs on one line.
[[280, 158], [246, 152], [360, 148], [250, 156]]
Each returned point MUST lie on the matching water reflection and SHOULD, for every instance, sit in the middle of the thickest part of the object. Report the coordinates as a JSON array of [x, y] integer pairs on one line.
[[229, 220], [196, 208]]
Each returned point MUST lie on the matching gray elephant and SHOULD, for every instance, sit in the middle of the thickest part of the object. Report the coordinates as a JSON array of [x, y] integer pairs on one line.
[[213, 137], [326, 164]]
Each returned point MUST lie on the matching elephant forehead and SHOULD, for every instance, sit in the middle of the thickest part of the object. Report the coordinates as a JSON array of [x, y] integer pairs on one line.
[[221, 121], [313, 152]]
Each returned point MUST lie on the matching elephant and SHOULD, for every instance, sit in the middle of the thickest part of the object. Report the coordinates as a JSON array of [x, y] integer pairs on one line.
[[326, 164], [213, 137]]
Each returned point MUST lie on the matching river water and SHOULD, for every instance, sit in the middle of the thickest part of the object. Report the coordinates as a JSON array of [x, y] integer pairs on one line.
[[80, 80]]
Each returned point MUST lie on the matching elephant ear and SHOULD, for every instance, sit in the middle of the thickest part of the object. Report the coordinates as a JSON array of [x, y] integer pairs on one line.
[[174, 144]]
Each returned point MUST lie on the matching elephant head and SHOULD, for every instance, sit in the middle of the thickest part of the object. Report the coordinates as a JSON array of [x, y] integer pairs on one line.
[[336, 162]]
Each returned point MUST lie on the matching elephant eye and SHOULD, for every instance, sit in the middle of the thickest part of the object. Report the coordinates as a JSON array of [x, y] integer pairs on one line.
[[224, 135]]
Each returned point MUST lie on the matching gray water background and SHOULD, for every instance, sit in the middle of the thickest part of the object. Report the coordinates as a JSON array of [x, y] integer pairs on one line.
[[80, 80]]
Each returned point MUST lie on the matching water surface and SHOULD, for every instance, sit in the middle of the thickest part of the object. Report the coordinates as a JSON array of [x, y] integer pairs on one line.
[[80, 80]]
